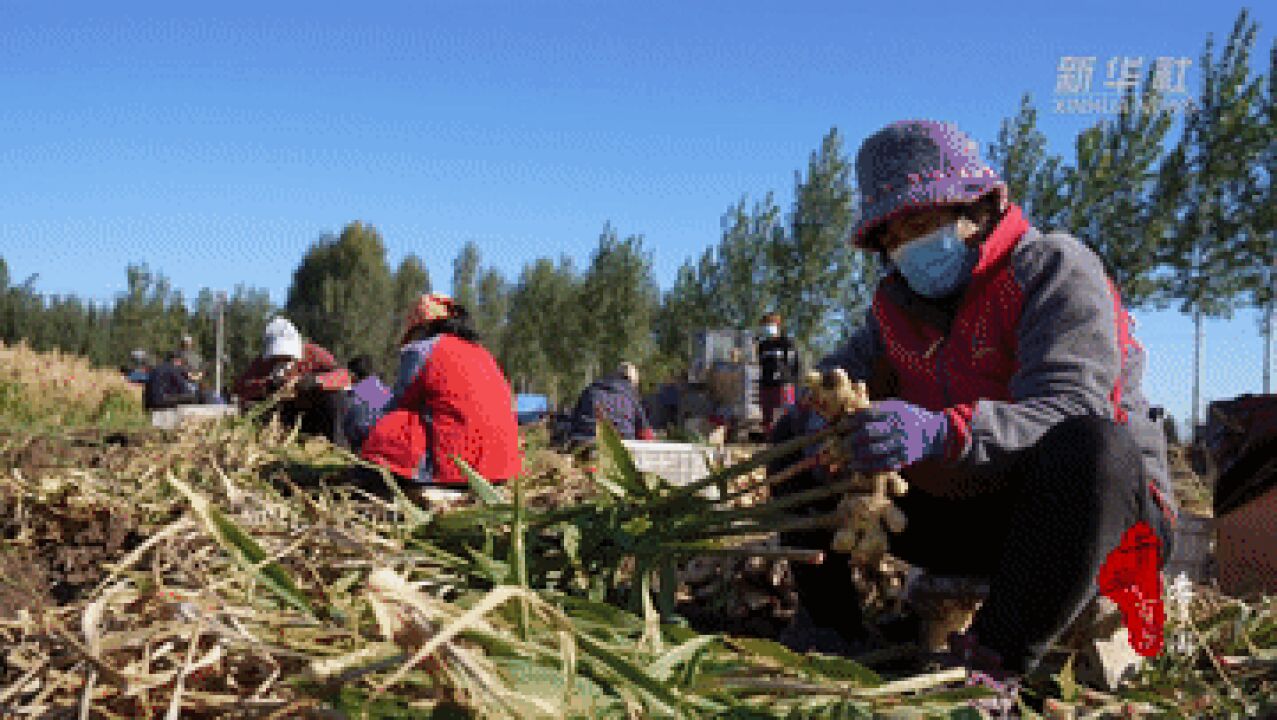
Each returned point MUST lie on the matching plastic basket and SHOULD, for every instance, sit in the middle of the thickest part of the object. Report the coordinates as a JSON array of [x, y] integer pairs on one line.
[[170, 419], [676, 463]]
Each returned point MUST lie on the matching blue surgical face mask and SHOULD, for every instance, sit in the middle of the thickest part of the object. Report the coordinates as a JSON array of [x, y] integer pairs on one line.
[[936, 264]]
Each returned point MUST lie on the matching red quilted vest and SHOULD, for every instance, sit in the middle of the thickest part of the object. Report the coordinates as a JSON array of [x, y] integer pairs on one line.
[[397, 442], [471, 407]]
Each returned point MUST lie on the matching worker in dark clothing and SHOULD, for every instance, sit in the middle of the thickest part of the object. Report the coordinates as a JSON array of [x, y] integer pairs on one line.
[[190, 356], [368, 387], [170, 385], [1005, 381], [615, 398], [139, 367], [778, 369], [366, 398]]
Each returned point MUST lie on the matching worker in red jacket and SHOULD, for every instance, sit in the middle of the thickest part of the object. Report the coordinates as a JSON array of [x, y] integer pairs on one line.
[[1006, 385], [312, 382], [450, 400]]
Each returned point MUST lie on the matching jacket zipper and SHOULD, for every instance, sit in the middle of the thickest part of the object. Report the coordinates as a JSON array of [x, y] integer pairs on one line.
[[935, 351]]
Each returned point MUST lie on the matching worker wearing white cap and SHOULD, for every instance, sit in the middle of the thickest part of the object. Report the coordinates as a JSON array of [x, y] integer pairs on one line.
[[318, 382]]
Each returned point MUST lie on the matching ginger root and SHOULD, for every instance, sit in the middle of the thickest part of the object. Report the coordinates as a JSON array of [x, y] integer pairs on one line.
[[867, 512]]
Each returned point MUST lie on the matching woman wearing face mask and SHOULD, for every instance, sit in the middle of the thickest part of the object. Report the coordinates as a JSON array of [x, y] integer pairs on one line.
[[778, 368], [1008, 394]]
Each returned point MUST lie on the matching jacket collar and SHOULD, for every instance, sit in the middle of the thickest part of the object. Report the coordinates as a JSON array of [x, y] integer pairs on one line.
[[1000, 242], [993, 251]]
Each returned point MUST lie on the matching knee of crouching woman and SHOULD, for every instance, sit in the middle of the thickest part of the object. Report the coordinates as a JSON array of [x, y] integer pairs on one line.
[[1089, 446]]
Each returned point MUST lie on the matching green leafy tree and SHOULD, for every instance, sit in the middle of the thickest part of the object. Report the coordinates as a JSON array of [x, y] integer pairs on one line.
[[100, 348], [247, 312], [686, 307], [411, 281], [492, 307], [64, 326], [465, 275], [813, 263], [853, 297], [244, 316], [342, 293], [618, 298], [1115, 205], [1035, 179], [742, 292], [1261, 217], [149, 315], [543, 344], [1206, 178]]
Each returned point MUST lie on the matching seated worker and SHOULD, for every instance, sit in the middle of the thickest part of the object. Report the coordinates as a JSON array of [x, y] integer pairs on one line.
[[169, 385], [1006, 387], [616, 398], [139, 367], [368, 387], [208, 394], [666, 404], [450, 399], [190, 355], [316, 384]]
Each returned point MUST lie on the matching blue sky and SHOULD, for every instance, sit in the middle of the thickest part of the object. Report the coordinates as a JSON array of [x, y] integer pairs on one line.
[[216, 144]]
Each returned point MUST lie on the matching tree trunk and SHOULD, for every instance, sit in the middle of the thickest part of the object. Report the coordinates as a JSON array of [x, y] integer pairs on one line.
[[1197, 368], [1268, 343], [218, 348]]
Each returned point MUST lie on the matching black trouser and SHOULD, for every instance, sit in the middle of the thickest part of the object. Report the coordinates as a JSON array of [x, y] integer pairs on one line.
[[322, 412], [1040, 535]]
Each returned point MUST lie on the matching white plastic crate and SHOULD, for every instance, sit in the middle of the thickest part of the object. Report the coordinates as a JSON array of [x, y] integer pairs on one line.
[[170, 419], [676, 463]]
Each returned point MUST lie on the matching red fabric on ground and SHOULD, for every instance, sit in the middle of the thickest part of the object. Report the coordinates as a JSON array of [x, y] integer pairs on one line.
[[1129, 577]]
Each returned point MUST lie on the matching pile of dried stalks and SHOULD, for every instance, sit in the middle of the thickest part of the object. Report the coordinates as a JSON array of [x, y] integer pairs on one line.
[[225, 572], [236, 593], [58, 390]]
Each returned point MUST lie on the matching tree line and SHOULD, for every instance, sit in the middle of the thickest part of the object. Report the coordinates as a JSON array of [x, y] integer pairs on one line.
[[1182, 221]]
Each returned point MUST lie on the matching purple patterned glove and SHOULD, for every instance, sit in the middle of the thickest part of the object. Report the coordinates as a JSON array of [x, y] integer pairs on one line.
[[895, 434]]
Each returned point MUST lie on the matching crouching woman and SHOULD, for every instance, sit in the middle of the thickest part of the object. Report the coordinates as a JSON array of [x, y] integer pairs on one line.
[[450, 400]]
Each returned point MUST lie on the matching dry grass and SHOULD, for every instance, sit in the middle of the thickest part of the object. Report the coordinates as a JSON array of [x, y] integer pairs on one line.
[[57, 390], [223, 571]]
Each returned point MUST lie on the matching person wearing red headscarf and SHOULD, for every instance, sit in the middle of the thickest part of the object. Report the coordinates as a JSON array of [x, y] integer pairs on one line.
[[450, 401]]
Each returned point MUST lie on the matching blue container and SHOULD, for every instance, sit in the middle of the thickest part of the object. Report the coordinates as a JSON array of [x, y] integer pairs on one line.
[[530, 408]]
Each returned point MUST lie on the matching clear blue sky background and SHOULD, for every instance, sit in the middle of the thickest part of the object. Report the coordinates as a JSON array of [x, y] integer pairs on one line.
[[217, 144]]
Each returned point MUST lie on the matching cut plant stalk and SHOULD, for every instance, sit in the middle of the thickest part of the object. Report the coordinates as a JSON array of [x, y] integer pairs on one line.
[[568, 657], [758, 460], [518, 557], [802, 555], [774, 508]]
